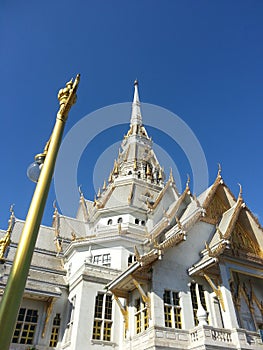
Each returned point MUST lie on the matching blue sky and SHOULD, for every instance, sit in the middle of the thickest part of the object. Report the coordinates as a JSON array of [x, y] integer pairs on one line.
[[202, 60]]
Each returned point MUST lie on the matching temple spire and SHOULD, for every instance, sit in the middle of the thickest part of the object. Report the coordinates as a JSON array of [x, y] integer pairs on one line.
[[136, 116]]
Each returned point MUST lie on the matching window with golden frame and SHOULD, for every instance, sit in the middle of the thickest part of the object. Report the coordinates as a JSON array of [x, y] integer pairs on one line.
[[25, 326], [141, 316], [172, 309], [102, 324], [55, 331]]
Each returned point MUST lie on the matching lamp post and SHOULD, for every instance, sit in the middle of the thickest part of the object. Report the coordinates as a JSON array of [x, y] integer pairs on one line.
[[14, 290]]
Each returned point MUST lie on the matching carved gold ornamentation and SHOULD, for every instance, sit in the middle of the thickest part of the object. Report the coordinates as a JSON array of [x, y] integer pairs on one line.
[[241, 241], [146, 299], [124, 312], [67, 97], [172, 241], [217, 251], [6, 240], [215, 210], [104, 198], [116, 168], [216, 290], [137, 254]]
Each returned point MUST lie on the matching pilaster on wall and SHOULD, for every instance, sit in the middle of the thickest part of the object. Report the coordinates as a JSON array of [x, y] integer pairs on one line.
[[229, 315], [187, 310]]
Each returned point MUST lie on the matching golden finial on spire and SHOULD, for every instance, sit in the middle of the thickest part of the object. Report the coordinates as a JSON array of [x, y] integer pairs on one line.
[[116, 168]]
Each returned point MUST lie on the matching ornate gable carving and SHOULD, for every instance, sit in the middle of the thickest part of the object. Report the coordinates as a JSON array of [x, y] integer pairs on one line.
[[215, 210], [242, 243]]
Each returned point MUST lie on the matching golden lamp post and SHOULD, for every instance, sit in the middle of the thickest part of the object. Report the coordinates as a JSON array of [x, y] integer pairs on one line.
[[14, 290]]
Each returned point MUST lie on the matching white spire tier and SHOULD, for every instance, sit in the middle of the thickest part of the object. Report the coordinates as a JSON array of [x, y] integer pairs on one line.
[[136, 116]]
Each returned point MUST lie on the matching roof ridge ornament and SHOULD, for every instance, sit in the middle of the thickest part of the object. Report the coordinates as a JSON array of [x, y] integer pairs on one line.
[[187, 187], [219, 170], [240, 192]]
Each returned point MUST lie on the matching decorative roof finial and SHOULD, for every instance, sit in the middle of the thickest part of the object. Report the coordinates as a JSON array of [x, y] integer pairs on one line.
[[240, 192], [136, 116], [219, 170], [187, 182], [80, 191], [55, 207], [171, 177]]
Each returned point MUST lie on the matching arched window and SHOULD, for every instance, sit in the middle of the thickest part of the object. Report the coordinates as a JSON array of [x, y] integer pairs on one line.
[[143, 223], [119, 220], [109, 222], [137, 221]]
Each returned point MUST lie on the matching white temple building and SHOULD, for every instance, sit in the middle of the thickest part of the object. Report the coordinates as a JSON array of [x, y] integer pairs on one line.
[[143, 266]]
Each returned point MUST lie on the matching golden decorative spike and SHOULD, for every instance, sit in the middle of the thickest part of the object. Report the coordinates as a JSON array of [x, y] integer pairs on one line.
[[110, 178], [104, 185], [148, 170], [98, 194], [116, 168]]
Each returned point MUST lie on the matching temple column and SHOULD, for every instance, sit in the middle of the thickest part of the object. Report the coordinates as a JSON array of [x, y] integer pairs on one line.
[[229, 314]]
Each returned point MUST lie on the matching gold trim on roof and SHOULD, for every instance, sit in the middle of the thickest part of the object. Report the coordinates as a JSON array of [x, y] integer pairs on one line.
[[6, 240]]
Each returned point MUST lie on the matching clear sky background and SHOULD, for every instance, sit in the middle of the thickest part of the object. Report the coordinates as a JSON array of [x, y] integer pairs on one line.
[[200, 59]]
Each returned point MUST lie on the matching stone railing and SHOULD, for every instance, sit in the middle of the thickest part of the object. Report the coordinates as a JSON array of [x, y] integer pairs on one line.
[[201, 336], [212, 336]]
